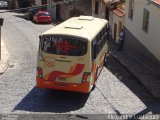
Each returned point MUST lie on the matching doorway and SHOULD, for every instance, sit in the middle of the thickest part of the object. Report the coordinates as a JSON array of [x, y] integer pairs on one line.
[[120, 26], [107, 13], [115, 31], [57, 12], [44, 2]]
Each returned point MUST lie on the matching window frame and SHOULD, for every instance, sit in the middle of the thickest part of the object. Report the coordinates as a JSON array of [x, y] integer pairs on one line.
[[64, 36], [96, 7], [146, 14], [131, 9]]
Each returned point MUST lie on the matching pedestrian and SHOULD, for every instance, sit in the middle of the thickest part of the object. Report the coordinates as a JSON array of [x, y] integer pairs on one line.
[[121, 40]]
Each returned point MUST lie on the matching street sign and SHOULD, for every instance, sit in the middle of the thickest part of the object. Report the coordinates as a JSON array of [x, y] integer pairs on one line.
[[1, 21]]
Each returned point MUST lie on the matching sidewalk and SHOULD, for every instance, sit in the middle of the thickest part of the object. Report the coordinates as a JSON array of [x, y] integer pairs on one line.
[[139, 70], [4, 62]]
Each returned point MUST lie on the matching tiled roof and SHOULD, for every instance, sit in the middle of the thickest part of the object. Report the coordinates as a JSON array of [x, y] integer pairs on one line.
[[156, 1], [120, 10], [71, 0], [66, 1], [118, 13], [110, 1]]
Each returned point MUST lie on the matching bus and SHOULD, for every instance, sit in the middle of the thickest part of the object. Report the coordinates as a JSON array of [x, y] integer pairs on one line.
[[71, 55]]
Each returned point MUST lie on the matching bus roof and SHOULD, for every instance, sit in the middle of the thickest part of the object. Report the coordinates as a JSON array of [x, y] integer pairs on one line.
[[83, 27]]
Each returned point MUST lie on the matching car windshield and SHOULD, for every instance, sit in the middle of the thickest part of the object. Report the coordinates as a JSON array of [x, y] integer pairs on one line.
[[44, 14], [32, 11], [63, 45]]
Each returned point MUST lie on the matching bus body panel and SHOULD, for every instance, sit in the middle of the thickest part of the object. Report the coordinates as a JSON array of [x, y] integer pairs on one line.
[[70, 73], [66, 67], [65, 72], [99, 61], [83, 87]]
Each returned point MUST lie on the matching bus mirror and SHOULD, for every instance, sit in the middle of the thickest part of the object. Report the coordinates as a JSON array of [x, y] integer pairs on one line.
[[40, 37]]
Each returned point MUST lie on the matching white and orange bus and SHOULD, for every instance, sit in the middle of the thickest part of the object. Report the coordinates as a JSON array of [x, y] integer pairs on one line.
[[71, 55]]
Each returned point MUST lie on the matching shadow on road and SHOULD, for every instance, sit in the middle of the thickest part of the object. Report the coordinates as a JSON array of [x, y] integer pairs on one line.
[[20, 16], [54, 22], [152, 104], [45, 100]]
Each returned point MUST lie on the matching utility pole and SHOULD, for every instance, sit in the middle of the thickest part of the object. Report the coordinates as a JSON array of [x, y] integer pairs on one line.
[[1, 23]]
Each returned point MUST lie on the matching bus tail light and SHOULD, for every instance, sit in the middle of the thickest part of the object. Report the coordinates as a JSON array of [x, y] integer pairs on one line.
[[85, 76], [39, 71]]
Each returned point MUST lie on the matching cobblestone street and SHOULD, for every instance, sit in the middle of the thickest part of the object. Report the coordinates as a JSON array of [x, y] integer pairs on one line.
[[117, 90]]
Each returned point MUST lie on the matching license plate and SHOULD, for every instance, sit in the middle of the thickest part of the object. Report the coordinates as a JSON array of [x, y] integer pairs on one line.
[[62, 85], [62, 79]]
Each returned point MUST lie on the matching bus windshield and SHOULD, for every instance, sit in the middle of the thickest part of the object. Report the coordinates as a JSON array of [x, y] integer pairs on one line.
[[64, 45]]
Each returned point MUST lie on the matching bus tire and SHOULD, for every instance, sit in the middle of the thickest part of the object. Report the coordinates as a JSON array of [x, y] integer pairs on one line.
[[105, 60], [96, 76], [93, 87]]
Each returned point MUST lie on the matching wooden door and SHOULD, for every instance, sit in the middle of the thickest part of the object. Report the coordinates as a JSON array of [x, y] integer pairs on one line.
[[115, 31]]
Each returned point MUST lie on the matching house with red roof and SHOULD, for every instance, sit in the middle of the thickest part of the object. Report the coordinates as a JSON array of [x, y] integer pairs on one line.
[[113, 11]]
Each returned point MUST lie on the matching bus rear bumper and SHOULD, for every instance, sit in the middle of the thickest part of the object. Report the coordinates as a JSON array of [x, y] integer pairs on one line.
[[83, 87]]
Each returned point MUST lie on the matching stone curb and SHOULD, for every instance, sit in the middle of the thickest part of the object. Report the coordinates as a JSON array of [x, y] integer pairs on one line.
[[5, 59], [4, 67]]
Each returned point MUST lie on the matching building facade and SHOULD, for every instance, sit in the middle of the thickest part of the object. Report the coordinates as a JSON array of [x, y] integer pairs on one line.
[[117, 21], [142, 38], [101, 8], [64, 9], [113, 11], [15, 4]]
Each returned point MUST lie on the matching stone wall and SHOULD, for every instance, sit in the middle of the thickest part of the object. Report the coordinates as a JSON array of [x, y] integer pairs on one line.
[[82, 7]]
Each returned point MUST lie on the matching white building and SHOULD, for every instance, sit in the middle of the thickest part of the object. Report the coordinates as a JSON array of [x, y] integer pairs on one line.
[[111, 10], [142, 37], [117, 21]]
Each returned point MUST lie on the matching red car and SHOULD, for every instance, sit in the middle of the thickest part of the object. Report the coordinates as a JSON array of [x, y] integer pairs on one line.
[[42, 17]]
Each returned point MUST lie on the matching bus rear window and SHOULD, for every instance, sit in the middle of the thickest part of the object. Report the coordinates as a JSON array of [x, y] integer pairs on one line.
[[62, 45]]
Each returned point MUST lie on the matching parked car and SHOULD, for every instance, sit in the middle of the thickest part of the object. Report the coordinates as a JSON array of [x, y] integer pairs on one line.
[[3, 4], [42, 17], [30, 13]]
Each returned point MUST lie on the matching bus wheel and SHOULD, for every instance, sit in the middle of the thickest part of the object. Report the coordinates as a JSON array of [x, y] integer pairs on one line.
[[96, 76], [93, 87], [105, 60]]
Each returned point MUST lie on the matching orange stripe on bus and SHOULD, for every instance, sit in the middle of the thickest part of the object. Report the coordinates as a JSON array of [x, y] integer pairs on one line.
[[78, 69], [83, 87]]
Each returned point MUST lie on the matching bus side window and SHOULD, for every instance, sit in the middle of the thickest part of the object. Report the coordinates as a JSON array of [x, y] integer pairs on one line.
[[102, 34], [94, 50], [104, 31], [106, 28], [99, 38], [107, 32]]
